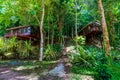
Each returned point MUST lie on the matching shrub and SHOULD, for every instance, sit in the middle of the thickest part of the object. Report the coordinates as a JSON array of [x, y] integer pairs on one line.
[[3, 48], [115, 55], [24, 49], [103, 72], [16, 49], [84, 57], [8, 47], [80, 40], [93, 58], [52, 52]]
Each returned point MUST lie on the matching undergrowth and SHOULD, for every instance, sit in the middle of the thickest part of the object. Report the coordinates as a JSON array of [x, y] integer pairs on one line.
[[92, 61]]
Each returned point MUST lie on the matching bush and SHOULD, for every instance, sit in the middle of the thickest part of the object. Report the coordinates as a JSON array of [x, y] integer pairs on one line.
[[86, 56], [2, 48], [94, 59], [107, 67], [17, 49], [52, 52], [80, 40], [104, 72], [7, 47], [115, 55], [24, 49]]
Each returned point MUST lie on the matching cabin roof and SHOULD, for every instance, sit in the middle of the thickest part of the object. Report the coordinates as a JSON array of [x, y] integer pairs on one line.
[[93, 27], [91, 23], [17, 27]]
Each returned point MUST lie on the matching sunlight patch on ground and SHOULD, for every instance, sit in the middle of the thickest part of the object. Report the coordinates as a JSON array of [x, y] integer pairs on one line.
[[70, 49], [25, 67], [86, 77], [29, 77], [4, 72], [79, 77]]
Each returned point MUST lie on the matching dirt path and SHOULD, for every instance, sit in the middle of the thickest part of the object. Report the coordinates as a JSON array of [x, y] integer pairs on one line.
[[7, 73]]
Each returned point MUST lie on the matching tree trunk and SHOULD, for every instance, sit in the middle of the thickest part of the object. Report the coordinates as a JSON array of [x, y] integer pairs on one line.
[[106, 44], [76, 19], [52, 40], [48, 33], [76, 32], [41, 31], [72, 33]]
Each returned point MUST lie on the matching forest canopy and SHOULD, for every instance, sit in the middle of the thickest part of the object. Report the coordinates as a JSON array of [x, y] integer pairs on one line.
[[24, 12]]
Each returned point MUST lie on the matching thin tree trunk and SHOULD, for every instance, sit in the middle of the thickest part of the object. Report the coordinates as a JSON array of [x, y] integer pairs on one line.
[[118, 31], [76, 25], [72, 33], [52, 40], [76, 19], [48, 33], [41, 31], [106, 44]]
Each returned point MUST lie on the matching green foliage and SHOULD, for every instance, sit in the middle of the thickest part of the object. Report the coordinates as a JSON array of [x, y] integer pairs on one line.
[[115, 70], [49, 53], [52, 52], [85, 56], [27, 47], [75, 77], [7, 47], [107, 68], [12, 44], [115, 55], [91, 60], [80, 40], [2, 47], [104, 72], [62, 12], [82, 70], [13, 48]]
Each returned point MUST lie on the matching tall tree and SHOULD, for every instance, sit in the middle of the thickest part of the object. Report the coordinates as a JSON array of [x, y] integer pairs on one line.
[[76, 16], [41, 31], [106, 43]]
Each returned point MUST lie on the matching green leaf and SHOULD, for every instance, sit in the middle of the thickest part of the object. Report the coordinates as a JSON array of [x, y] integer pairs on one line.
[[32, 12]]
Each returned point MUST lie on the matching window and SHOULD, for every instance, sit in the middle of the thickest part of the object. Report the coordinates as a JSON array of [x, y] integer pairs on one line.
[[28, 29]]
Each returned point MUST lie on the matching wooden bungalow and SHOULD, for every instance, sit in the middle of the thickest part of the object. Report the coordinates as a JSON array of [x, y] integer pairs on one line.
[[23, 33], [93, 33]]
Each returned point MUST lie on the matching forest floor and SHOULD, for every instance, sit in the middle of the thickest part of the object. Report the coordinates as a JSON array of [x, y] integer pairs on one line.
[[6, 73], [35, 70], [23, 70]]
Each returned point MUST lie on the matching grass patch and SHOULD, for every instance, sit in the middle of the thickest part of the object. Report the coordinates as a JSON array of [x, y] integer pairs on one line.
[[82, 70]]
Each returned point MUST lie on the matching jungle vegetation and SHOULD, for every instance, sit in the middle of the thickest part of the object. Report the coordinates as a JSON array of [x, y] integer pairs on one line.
[[60, 19]]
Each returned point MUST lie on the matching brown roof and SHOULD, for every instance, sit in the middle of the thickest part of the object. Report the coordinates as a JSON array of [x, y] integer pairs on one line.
[[91, 23], [91, 27], [17, 27]]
